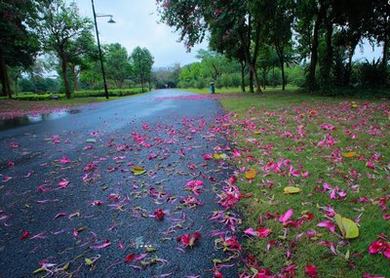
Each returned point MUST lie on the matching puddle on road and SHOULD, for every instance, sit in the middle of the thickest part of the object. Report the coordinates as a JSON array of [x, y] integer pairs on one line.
[[34, 118]]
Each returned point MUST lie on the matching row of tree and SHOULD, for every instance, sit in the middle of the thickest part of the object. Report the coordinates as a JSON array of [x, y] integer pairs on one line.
[[324, 34], [32, 28], [213, 66]]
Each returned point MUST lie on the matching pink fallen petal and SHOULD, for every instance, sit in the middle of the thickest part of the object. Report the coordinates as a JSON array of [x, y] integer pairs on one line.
[[103, 245], [328, 225], [236, 153], [286, 216], [6, 178], [263, 232], [63, 183], [251, 232], [140, 257], [64, 160], [207, 156]]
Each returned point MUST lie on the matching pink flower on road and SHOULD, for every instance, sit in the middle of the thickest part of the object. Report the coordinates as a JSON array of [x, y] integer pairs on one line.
[[63, 183], [195, 186]]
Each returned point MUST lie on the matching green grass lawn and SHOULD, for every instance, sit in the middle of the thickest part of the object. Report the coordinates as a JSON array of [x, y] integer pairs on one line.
[[278, 126]]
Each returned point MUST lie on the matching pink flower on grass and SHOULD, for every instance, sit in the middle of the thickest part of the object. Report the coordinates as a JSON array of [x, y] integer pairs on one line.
[[335, 193], [328, 127], [327, 141], [260, 232], [286, 216], [311, 271], [229, 197], [380, 246], [328, 225]]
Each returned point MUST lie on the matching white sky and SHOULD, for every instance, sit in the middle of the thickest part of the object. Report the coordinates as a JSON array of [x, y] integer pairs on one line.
[[137, 25]]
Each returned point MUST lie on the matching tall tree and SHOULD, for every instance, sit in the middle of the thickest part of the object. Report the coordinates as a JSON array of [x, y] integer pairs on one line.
[[142, 63], [81, 50], [18, 43], [60, 28], [278, 17], [235, 18], [118, 67]]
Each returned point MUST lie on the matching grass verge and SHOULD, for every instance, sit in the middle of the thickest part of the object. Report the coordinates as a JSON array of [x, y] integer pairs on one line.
[[350, 153]]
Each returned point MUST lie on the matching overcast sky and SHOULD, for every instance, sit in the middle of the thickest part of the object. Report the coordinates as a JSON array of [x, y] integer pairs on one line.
[[137, 25]]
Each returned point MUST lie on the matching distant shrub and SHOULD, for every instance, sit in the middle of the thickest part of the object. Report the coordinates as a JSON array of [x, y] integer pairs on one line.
[[295, 76], [79, 94], [200, 84], [39, 97], [112, 92], [372, 74]]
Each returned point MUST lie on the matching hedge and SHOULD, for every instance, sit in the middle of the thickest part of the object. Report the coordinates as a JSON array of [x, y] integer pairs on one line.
[[78, 94]]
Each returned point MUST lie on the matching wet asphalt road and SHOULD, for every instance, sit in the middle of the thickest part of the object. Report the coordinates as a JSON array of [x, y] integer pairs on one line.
[[104, 213]]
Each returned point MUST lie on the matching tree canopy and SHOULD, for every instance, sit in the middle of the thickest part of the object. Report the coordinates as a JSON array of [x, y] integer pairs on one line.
[[324, 33], [19, 43], [142, 61]]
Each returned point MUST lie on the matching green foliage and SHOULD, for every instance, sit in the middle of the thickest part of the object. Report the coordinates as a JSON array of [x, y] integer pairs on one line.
[[38, 84], [112, 92], [325, 35], [117, 64], [142, 63], [64, 32], [18, 41], [213, 66], [372, 74], [78, 94]]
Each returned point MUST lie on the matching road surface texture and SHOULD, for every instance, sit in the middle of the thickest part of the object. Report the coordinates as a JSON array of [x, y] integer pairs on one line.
[[71, 200]]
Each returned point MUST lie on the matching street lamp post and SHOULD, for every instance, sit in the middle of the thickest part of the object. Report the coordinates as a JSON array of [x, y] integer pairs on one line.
[[99, 47]]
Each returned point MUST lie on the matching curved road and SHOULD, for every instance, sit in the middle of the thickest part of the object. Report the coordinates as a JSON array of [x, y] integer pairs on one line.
[[70, 203]]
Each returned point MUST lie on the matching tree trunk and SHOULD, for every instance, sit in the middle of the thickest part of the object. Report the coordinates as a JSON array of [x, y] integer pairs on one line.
[[328, 59], [64, 67], [348, 70], [314, 49], [386, 44], [242, 76], [16, 84], [283, 74], [258, 83], [6, 87], [251, 88], [385, 57], [280, 52], [254, 58]]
